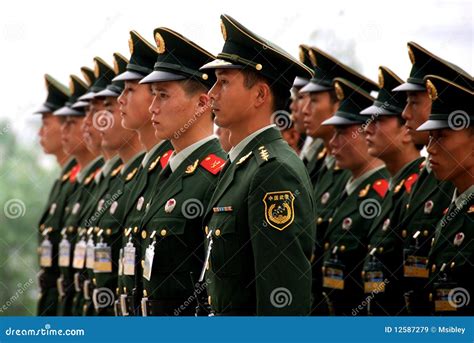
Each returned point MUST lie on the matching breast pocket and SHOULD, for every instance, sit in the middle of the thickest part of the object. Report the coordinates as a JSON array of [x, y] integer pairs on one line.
[[172, 247], [225, 259]]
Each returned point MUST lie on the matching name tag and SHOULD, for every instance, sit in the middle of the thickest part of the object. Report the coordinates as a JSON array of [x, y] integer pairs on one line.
[[415, 266], [129, 259], [46, 253], [103, 258], [90, 258], [149, 255], [79, 254], [333, 276], [374, 282], [64, 253]]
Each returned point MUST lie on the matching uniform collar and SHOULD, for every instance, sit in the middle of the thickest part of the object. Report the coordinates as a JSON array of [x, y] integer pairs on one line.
[[353, 184], [129, 163], [313, 148], [108, 165], [235, 151], [87, 169], [394, 179], [176, 159], [464, 198], [68, 165], [150, 153], [329, 161]]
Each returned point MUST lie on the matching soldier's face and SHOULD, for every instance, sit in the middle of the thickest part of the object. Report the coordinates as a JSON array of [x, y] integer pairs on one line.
[[296, 113], [451, 154], [91, 125], [316, 108], [114, 135], [173, 110], [231, 101], [416, 112], [134, 103], [349, 147], [50, 134], [71, 135], [385, 137]]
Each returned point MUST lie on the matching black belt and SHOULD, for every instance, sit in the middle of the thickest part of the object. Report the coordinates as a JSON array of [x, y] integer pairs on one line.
[[127, 306], [172, 307]]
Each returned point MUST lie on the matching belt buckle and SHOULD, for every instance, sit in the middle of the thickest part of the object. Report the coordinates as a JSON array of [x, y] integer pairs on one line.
[[144, 306], [60, 285], [117, 309], [85, 289], [123, 305], [77, 282], [94, 299]]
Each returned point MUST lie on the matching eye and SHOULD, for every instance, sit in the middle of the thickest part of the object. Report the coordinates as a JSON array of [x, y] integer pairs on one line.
[[164, 95]]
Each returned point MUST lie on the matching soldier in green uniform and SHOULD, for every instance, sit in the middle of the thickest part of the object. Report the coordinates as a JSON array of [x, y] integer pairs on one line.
[[320, 103], [134, 102], [388, 139], [51, 219], [451, 146], [172, 248], [430, 197], [259, 222], [359, 203], [73, 142], [95, 119]]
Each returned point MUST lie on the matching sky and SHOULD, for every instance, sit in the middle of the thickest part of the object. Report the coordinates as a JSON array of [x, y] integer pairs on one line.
[[58, 37]]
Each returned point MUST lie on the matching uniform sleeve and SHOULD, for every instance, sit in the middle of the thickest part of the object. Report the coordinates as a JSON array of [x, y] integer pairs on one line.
[[282, 228]]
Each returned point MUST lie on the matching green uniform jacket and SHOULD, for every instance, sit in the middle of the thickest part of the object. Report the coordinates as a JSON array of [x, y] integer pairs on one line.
[[382, 272], [348, 232], [74, 211], [261, 222], [140, 196], [426, 205], [452, 288], [172, 224], [50, 226], [316, 165]]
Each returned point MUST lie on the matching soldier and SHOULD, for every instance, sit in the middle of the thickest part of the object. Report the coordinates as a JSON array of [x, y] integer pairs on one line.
[[429, 197], [51, 219], [172, 248], [388, 139], [359, 203], [451, 157], [320, 103], [134, 102], [72, 138], [259, 222]]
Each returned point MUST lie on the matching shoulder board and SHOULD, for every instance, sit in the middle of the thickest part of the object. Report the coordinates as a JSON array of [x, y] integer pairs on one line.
[[116, 170], [399, 186], [131, 174], [192, 167], [363, 192], [212, 164], [409, 181], [381, 187], [165, 158], [154, 164], [263, 155], [322, 153], [470, 209], [244, 158], [74, 171], [66, 176]]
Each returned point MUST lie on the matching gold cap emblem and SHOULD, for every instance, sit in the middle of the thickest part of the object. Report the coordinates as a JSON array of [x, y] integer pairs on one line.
[[160, 43], [223, 30], [432, 92], [130, 45], [339, 91], [381, 79], [411, 55]]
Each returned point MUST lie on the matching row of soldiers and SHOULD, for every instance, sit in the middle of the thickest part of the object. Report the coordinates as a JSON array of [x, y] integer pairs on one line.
[[153, 215]]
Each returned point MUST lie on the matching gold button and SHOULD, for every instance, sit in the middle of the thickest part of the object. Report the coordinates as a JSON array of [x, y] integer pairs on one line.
[[117, 290], [209, 300], [125, 232], [218, 232], [94, 281], [433, 268], [342, 248], [452, 264], [380, 250], [145, 293], [326, 246], [143, 264], [163, 232], [313, 257], [320, 220], [404, 233], [362, 273], [144, 234], [323, 269], [70, 228], [125, 290], [330, 220], [258, 66], [108, 232], [135, 229], [425, 233], [430, 297], [369, 246], [96, 229], [408, 206], [206, 230]]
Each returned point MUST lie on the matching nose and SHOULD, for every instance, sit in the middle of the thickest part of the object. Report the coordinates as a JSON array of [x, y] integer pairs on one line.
[[333, 142], [431, 146], [406, 114], [121, 98], [304, 107], [153, 109], [213, 92]]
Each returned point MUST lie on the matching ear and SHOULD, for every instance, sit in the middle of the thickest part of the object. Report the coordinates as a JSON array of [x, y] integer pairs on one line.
[[263, 94], [203, 103]]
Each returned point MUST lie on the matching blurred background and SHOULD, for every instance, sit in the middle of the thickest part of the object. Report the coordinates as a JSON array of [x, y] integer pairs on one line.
[[59, 37]]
